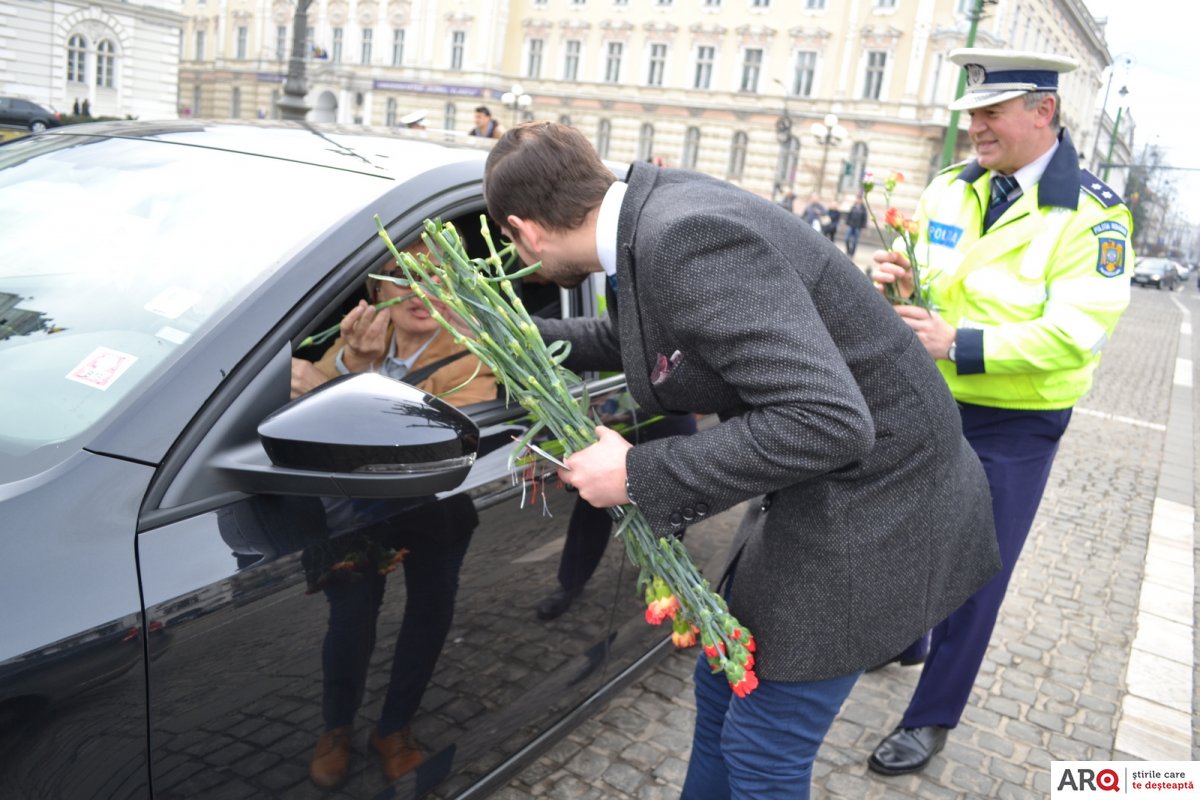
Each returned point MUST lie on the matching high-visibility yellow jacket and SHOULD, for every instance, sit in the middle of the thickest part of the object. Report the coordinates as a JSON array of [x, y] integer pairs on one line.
[[1036, 297]]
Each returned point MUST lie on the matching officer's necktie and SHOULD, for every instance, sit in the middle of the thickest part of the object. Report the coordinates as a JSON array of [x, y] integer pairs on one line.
[[1005, 189]]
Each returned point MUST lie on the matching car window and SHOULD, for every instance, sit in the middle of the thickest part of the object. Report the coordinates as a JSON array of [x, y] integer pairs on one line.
[[114, 253]]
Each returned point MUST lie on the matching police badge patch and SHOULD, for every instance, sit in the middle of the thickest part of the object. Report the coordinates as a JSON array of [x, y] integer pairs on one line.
[[1112, 258]]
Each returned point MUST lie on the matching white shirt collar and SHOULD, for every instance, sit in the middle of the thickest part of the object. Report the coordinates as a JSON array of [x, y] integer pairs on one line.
[[606, 226], [1029, 175]]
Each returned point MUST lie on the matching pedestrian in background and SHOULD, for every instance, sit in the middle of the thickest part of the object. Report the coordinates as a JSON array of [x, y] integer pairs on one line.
[[829, 224], [485, 126], [856, 220], [814, 376], [1028, 256]]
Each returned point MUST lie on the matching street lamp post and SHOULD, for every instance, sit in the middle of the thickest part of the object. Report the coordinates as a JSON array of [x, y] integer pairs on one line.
[[1112, 139], [827, 134], [516, 99], [292, 105]]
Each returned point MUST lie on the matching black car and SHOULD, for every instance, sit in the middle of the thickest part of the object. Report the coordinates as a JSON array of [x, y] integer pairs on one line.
[[1160, 273], [176, 533], [21, 113]]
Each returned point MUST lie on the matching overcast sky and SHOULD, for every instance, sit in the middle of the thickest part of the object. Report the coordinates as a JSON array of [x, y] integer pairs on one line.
[[1160, 38]]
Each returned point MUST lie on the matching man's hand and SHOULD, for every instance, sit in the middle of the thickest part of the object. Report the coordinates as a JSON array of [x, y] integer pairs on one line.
[[892, 267], [305, 377], [934, 332], [598, 471], [364, 333]]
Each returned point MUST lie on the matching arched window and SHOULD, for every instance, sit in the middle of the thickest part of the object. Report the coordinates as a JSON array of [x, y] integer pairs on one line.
[[851, 182], [389, 118], [448, 116], [645, 142], [691, 148], [737, 156], [106, 59], [603, 135], [235, 103], [785, 167], [76, 58]]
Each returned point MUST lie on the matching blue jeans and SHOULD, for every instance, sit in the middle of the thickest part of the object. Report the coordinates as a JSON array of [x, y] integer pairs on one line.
[[852, 239], [762, 746]]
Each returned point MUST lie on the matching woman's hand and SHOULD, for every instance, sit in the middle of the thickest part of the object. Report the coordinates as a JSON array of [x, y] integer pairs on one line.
[[305, 377], [364, 337]]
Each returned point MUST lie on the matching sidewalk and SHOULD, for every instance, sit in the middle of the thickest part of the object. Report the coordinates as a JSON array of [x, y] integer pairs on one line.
[[1092, 657]]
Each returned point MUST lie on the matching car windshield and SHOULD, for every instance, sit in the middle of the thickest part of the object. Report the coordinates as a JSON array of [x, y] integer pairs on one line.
[[1153, 266], [115, 254]]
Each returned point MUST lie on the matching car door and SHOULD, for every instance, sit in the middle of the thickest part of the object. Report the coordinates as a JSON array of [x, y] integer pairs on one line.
[[279, 624]]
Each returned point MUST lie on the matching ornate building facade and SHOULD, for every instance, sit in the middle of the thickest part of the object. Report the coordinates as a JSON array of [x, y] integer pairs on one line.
[[122, 57], [729, 87]]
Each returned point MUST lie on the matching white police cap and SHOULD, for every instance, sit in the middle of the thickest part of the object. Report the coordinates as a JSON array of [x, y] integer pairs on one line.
[[994, 76], [413, 118]]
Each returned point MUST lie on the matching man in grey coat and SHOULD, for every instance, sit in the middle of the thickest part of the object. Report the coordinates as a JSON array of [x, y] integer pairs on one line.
[[871, 519]]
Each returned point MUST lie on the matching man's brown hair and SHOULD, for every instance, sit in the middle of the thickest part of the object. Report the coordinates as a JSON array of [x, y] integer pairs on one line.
[[545, 172]]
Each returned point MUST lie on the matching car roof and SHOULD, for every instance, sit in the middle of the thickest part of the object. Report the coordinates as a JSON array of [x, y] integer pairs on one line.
[[393, 154]]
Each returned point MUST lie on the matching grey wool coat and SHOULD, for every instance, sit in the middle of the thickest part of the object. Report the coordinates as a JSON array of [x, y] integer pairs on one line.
[[877, 520]]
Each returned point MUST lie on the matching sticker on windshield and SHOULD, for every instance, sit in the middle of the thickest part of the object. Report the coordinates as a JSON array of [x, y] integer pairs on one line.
[[172, 335], [102, 368], [172, 302]]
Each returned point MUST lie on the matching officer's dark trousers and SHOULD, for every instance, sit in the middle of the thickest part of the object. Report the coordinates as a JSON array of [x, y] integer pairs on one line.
[[1017, 449]]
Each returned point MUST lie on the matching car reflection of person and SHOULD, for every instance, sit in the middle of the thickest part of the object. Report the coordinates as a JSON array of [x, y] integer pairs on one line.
[[402, 342], [871, 518], [1026, 252]]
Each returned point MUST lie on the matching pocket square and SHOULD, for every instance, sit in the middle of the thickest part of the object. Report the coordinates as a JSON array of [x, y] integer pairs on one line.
[[663, 367]]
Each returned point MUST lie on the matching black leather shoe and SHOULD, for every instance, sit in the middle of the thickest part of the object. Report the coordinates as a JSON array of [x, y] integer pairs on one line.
[[906, 750], [557, 603]]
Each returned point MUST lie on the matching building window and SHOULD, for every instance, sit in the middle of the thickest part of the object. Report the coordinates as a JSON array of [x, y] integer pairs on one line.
[[335, 54], [806, 69], [612, 63], [458, 43], [241, 43], [691, 148], [368, 39], [737, 156], [851, 182], [705, 55], [964, 6], [873, 80], [712, 3], [885, 3], [815, 5], [603, 135], [76, 58], [235, 103], [397, 46], [533, 67], [760, 3], [578, 2], [751, 67], [645, 147], [658, 64], [389, 114], [785, 167], [448, 117], [106, 58], [198, 54], [280, 42], [620, 2], [664, 2], [571, 60], [539, 2], [274, 104], [196, 97]]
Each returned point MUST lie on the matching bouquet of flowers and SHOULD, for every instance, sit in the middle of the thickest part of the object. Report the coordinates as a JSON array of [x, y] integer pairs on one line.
[[907, 229], [493, 325]]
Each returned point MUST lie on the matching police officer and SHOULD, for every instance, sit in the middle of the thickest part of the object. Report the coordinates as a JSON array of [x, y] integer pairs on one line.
[[1028, 260]]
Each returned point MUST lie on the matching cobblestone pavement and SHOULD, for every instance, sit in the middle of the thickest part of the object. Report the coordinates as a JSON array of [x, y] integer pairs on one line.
[[1053, 683]]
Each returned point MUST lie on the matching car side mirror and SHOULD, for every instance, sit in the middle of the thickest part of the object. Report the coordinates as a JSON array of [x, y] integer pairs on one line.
[[361, 435]]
